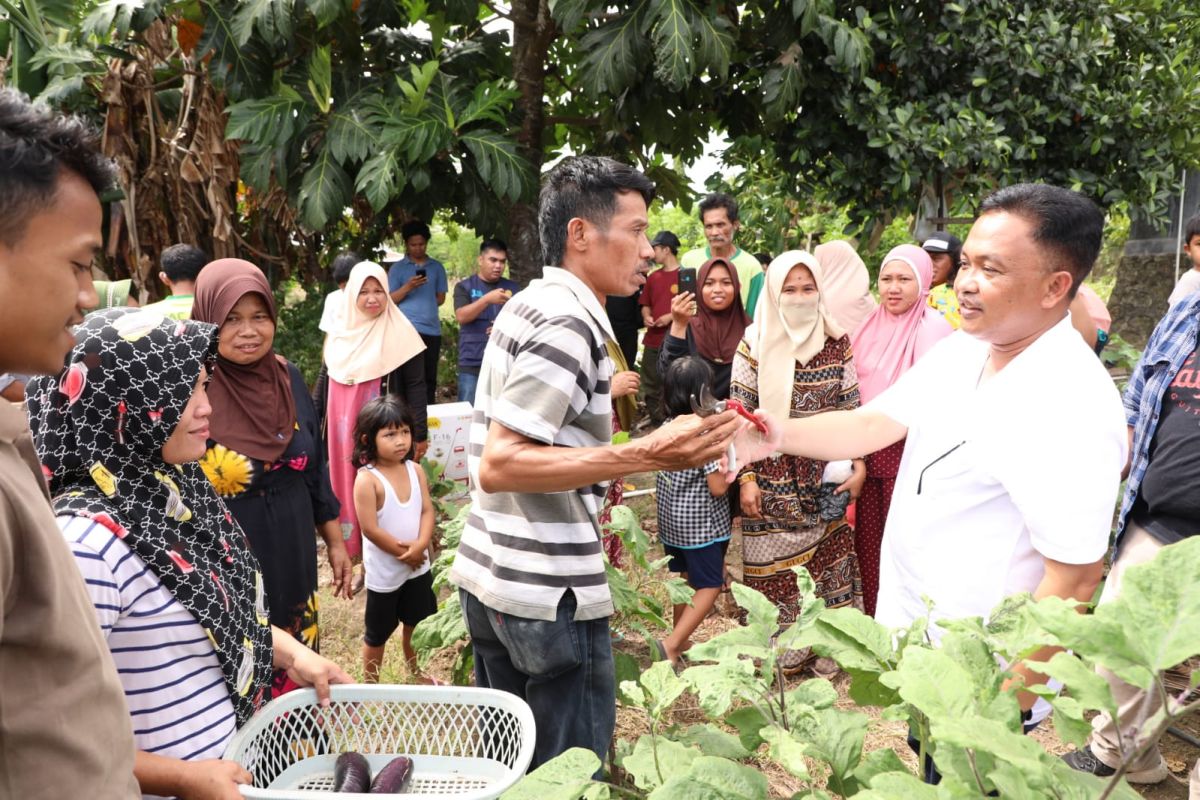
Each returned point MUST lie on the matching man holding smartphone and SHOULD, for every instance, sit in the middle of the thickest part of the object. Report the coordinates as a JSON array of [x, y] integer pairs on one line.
[[418, 285]]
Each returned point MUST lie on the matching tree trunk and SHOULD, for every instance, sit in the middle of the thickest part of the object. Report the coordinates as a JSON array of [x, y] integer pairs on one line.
[[533, 33]]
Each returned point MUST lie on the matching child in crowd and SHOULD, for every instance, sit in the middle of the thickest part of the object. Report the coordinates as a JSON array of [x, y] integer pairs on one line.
[[693, 514], [395, 510], [1189, 281]]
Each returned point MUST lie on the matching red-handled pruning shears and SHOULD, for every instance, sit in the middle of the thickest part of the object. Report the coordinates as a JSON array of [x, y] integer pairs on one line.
[[708, 405]]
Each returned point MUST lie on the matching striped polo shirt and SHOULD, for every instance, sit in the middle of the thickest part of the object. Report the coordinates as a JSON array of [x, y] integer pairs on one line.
[[173, 684], [545, 375]]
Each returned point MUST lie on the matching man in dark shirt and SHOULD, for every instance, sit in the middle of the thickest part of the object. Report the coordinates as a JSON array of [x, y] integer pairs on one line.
[[1160, 506], [477, 303]]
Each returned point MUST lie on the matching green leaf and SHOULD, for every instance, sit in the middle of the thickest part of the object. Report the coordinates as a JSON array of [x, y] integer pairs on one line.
[[852, 639], [678, 591], [781, 89], [713, 741], [326, 11], [489, 102], [662, 686], [566, 777], [350, 136], [417, 138], [761, 613], [714, 779], [320, 79], [897, 785], [613, 52], [268, 120], [443, 629], [498, 163], [241, 69], [1099, 636], [672, 37], [749, 721], [626, 669], [656, 759], [787, 749], [272, 18], [568, 13], [324, 191], [836, 737], [380, 178], [878, 762], [815, 693], [718, 685], [716, 43], [1082, 681], [933, 683]]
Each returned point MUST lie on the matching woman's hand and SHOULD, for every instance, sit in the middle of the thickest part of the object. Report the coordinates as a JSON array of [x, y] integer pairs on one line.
[[212, 779], [855, 482], [304, 666], [751, 500], [753, 445], [625, 383], [683, 308], [339, 560]]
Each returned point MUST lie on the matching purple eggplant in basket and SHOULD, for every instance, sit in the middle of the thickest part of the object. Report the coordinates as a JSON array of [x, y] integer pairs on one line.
[[395, 778], [351, 773]]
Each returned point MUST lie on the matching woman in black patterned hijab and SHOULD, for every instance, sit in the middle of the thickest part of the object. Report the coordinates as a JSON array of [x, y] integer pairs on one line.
[[178, 593]]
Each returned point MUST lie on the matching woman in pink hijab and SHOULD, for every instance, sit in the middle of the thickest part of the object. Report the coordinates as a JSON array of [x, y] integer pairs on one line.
[[885, 345]]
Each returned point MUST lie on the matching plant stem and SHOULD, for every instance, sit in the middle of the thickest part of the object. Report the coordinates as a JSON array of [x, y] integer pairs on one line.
[[975, 770], [1147, 743], [782, 701]]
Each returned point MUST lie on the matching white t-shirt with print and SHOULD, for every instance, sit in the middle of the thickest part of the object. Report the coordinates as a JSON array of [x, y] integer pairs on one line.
[[997, 476]]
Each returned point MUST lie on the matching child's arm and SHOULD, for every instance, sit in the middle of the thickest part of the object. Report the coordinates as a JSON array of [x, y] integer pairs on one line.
[[366, 504], [414, 556], [718, 484]]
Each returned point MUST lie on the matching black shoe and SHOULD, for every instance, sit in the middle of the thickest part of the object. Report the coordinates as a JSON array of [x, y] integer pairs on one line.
[[1085, 761]]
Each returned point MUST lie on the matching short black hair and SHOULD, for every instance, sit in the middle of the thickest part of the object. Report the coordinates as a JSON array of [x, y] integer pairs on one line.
[[584, 187], [342, 264], [685, 377], [415, 227], [1067, 223], [182, 262], [493, 244], [36, 143], [1191, 229], [385, 411], [719, 200], [763, 258]]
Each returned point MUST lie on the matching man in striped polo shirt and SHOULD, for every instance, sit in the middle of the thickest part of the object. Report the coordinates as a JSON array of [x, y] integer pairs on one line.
[[529, 569]]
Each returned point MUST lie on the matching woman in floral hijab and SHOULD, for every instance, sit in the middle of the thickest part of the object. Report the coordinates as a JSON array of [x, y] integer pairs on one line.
[[176, 590]]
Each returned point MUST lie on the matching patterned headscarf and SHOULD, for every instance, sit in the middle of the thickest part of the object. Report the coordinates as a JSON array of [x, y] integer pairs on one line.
[[100, 428]]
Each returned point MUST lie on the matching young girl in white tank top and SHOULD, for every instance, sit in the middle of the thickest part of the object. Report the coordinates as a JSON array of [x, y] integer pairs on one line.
[[395, 512]]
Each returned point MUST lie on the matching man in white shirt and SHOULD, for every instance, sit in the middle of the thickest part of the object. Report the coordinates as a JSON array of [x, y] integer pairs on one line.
[[1015, 433]]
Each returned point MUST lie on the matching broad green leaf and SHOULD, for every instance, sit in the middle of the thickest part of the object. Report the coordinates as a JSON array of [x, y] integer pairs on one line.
[[870, 689], [662, 686], [898, 786], [714, 779], [255, 165], [498, 163], [418, 138], [443, 629], [787, 749], [380, 178], [1069, 721], [973, 655], [656, 759], [748, 721], [568, 13], [992, 737], [320, 79], [678, 591], [878, 762], [326, 11], [489, 102], [716, 43], [740, 641], [816, 693], [781, 88], [269, 119], [565, 777], [713, 741], [272, 18], [350, 136], [718, 685], [672, 37], [60, 55], [836, 737], [324, 191], [1097, 636], [614, 52], [761, 613], [933, 683], [243, 70], [626, 669], [1083, 683], [852, 639]]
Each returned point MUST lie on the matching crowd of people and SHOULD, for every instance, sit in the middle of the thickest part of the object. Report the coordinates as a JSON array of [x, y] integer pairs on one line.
[[169, 474]]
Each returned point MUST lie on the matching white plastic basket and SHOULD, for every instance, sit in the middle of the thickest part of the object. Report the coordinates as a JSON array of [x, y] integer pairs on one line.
[[466, 742]]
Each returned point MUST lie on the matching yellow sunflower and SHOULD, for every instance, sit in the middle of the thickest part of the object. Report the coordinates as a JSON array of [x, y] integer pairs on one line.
[[228, 471]]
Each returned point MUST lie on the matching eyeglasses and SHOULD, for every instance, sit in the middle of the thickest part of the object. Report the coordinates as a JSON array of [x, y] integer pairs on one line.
[[921, 477]]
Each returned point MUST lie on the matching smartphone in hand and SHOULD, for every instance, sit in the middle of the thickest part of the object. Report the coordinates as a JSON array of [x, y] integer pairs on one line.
[[421, 273], [687, 280]]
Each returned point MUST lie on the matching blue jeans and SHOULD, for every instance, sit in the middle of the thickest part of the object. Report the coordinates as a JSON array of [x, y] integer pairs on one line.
[[563, 669], [467, 381]]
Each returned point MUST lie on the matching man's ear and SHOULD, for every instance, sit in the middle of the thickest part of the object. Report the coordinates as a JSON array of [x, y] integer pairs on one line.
[[577, 234], [162, 276], [1057, 288]]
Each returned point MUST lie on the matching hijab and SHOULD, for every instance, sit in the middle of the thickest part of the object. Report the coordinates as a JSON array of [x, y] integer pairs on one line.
[[365, 348], [254, 412], [887, 344], [786, 332], [100, 427], [717, 333], [846, 290]]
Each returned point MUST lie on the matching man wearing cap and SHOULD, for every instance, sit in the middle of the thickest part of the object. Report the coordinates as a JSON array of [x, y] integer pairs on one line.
[[719, 216], [661, 287], [944, 250]]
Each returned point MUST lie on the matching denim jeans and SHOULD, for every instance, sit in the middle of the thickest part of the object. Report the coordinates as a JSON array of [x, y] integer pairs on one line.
[[562, 669], [467, 381]]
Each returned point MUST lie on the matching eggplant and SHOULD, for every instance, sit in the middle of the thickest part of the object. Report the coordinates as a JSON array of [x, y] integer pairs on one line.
[[395, 778], [351, 773]]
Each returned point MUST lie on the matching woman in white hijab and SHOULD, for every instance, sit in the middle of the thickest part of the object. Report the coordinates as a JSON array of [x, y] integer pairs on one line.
[[373, 350], [795, 362]]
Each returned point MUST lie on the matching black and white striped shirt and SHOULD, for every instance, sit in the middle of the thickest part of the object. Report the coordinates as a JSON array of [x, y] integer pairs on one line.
[[545, 375]]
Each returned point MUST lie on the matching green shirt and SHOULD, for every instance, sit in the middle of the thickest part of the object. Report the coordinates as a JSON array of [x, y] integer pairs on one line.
[[756, 284], [177, 306], [747, 267]]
